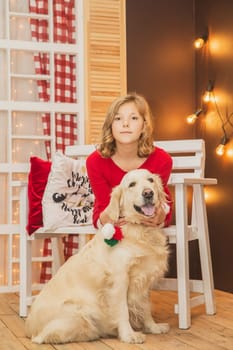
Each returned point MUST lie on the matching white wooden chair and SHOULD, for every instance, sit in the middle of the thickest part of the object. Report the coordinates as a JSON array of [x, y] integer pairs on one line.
[[79, 151], [188, 171]]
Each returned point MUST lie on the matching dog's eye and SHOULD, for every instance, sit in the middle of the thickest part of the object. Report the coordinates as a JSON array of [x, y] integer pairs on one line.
[[150, 179], [132, 184]]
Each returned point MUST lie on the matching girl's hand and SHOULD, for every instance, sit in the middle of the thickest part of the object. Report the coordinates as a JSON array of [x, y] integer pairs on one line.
[[105, 218], [121, 221]]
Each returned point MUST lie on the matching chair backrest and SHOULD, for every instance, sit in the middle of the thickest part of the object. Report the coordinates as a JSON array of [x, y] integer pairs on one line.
[[80, 151], [188, 156]]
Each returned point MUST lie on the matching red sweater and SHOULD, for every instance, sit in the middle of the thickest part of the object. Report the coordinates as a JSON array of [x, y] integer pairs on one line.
[[104, 174]]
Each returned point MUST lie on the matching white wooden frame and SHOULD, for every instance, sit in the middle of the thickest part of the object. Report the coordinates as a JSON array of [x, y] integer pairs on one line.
[[9, 168], [191, 173]]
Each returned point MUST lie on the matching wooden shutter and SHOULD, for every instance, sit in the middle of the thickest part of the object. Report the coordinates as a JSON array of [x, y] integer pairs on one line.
[[106, 61]]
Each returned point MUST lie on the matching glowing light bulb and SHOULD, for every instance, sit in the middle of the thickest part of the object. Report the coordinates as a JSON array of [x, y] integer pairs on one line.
[[220, 150], [201, 40], [207, 96], [193, 117], [199, 43]]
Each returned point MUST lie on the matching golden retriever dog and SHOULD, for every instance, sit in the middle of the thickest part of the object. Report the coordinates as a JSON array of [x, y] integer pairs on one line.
[[103, 290]]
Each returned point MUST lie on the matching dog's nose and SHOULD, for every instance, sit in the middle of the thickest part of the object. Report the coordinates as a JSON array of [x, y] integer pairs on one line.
[[148, 193]]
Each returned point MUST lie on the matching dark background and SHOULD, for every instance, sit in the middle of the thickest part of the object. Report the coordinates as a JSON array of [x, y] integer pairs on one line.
[[163, 65]]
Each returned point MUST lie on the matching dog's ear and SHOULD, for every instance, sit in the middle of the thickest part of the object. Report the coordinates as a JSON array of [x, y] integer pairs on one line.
[[113, 209], [161, 193]]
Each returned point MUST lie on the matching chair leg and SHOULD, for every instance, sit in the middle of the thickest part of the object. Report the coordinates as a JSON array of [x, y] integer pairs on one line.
[[25, 290], [57, 254], [25, 255], [204, 248], [82, 240], [182, 258]]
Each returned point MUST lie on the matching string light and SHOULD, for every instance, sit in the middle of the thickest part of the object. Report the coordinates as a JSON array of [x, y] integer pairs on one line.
[[220, 150], [193, 117], [208, 96], [200, 42]]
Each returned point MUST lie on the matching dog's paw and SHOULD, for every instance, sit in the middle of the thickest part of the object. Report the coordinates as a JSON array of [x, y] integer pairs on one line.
[[133, 338], [157, 328], [37, 340], [164, 327]]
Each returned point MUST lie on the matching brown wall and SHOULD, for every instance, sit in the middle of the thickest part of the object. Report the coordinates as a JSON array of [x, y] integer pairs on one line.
[[160, 61], [163, 66], [216, 63]]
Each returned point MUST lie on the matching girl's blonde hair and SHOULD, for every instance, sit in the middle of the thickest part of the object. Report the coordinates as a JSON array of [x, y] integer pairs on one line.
[[107, 146]]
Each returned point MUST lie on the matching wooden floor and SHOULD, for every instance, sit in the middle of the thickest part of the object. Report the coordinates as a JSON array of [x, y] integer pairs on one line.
[[206, 332]]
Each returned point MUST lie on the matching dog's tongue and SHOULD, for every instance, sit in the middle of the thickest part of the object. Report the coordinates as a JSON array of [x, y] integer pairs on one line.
[[148, 209]]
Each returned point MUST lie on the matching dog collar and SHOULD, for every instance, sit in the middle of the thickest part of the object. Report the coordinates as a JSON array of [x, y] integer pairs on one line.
[[112, 234]]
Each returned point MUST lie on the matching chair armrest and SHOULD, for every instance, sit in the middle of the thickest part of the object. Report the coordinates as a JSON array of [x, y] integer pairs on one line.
[[201, 181], [192, 181]]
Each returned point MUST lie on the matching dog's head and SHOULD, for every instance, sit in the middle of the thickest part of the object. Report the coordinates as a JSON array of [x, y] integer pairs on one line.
[[139, 194]]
